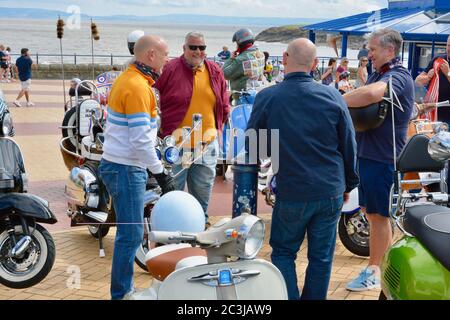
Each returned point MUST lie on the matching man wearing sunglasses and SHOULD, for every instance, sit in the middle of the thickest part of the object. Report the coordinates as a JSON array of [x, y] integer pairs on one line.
[[190, 85]]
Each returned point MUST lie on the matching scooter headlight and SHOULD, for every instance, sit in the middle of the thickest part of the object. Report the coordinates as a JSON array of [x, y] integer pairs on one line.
[[250, 237], [169, 141], [172, 155], [6, 125]]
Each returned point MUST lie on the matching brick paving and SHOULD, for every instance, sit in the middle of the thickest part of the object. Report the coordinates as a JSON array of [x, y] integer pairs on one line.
[[38, 136]]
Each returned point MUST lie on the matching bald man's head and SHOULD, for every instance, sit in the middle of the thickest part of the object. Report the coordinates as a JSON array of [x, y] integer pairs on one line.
[[300, 55], [151, 50]]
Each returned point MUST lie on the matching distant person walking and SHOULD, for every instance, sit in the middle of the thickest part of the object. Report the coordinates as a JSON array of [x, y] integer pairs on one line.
[[364, 52], [24, 64]]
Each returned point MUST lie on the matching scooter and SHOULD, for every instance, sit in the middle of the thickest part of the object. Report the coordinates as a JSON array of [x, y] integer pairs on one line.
[[233, 134], [88, 201], [417, 267], [27, 250], [216, 264]]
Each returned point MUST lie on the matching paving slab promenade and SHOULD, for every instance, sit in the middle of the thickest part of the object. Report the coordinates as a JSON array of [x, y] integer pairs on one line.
[[38, 135]]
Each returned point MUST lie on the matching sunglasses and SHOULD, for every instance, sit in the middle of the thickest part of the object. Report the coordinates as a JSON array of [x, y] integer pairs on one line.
[[193, 48]]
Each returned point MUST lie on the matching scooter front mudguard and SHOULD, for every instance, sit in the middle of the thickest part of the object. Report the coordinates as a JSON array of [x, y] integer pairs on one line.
[[26, 205], [240, 280], [410, 272]]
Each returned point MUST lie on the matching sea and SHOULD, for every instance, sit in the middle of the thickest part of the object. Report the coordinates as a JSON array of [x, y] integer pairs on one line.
[[39, 36]]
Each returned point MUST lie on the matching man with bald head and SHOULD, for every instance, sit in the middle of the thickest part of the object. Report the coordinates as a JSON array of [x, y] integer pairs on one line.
[[129, 151], [317, 167]]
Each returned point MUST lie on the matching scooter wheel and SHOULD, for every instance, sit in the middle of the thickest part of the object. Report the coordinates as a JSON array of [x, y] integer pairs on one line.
[[95, 231], [33, 265], [356, 243]]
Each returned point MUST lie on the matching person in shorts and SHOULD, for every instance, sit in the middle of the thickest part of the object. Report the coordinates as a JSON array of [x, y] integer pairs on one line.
[[24, 65], [375, 146]]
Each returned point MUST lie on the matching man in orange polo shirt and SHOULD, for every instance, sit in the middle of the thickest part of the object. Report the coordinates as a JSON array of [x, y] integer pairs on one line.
[[192, 85]]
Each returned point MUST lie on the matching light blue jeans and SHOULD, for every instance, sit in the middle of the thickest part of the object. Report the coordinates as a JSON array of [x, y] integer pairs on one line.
[[126, 186], [200, 176], [290, 222]]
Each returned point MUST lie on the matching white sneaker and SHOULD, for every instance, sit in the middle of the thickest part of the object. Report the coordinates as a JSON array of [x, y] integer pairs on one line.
[[17, 104], [30, 104], [133, 294]]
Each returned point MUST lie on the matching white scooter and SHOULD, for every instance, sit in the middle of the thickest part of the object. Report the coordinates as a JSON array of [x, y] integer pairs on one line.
[[216, 264]]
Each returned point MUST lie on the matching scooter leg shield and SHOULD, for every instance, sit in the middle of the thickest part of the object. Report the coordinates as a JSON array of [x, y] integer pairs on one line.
[[410, 272], [240, 280]]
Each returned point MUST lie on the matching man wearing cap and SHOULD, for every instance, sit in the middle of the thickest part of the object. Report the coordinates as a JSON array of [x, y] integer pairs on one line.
[[246, 63]]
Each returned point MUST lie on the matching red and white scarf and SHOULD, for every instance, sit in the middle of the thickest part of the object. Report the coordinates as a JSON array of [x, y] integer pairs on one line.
[[432, 95]]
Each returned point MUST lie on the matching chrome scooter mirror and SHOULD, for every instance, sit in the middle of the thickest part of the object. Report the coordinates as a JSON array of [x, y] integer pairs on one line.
[[439, 146]]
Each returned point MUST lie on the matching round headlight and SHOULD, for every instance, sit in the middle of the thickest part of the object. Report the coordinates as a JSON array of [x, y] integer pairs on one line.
[[169, 141], [6, 124], [172, 155], [250, 237]]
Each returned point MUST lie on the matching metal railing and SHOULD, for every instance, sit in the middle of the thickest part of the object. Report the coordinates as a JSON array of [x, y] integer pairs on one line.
[[112, 59]]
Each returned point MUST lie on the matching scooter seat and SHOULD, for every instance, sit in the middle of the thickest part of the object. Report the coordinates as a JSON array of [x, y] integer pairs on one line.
[[164, 260], [430, 224]]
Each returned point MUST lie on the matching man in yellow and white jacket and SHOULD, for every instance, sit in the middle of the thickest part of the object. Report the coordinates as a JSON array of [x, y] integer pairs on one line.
[[128, 151]]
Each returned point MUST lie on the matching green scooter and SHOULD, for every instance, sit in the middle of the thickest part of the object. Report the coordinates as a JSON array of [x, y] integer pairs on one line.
[[417, 267]]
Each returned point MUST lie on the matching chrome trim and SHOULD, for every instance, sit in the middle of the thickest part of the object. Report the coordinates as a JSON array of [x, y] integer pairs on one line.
[[99, 216], [211, 279]]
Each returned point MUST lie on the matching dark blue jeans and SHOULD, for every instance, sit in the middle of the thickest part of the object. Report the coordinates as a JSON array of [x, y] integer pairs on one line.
[[126, 186], [290, 222]]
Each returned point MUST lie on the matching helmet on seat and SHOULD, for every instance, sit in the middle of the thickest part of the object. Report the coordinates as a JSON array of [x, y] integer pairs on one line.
[[177, 211], [243, 36], [132, 38]]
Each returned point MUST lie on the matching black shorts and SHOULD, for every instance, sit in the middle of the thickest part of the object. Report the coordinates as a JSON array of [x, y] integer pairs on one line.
[[3, 65]]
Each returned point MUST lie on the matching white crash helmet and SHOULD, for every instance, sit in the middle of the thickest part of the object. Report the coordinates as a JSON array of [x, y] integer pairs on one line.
[[177, 211], [132, 38]]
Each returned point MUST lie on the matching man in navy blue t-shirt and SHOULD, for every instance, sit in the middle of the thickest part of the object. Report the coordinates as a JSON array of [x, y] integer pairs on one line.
[[444, 81], [24, 65], [375, 147]]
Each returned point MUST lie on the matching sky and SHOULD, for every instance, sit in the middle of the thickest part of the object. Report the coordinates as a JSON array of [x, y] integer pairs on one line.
[[240, 8]]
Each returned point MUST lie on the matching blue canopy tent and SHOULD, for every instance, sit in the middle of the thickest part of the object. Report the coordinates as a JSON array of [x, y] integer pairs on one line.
[[423, 24]]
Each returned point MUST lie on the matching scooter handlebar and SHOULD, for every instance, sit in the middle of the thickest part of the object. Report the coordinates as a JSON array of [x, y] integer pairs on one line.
[[170, 237]]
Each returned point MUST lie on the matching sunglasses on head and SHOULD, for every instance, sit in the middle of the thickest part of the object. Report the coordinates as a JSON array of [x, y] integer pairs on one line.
[[193, 48]]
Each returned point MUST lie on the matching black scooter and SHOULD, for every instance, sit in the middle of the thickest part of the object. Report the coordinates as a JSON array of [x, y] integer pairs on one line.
[[27, 250]]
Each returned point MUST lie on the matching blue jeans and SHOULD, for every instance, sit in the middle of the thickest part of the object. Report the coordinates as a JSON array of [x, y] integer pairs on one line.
[[200, 176], [126, 186], [290, 221]]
